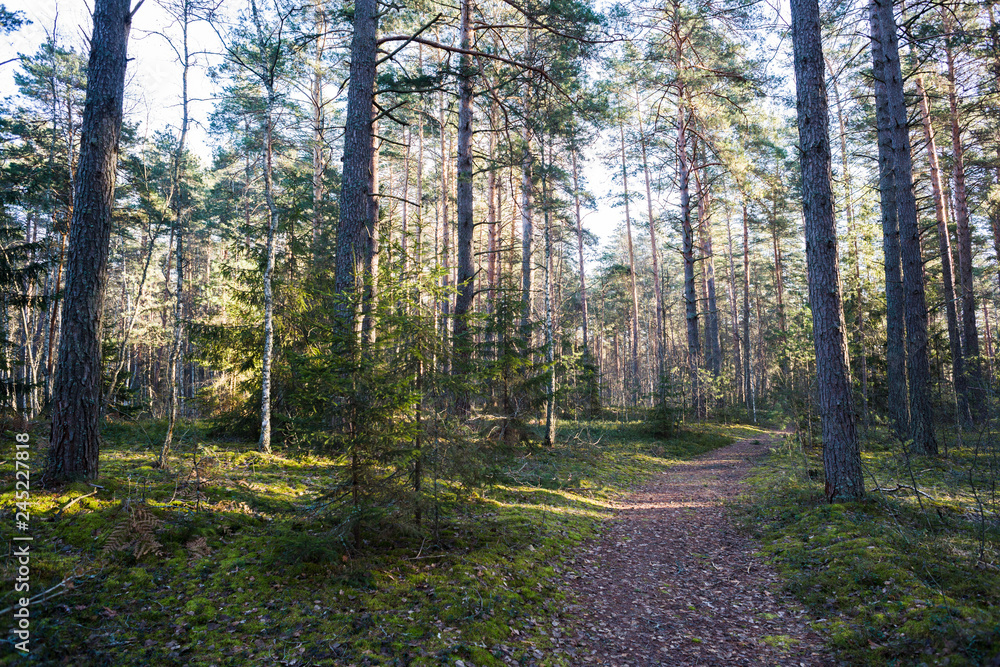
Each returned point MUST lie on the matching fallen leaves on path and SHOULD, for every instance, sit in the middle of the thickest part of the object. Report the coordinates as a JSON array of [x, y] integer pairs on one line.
[[673, 583]]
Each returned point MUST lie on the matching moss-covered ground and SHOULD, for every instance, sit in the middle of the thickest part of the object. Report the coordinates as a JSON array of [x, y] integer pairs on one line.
[[900, 578], [233, 564]]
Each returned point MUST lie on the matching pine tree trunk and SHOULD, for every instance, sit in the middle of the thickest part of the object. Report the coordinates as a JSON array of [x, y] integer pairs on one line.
[[687, 250], [970, 331], [462, 342], [733, 310], [354, 235], [712, 311], [589, 369], [493, 235], [527, 231], [944, 245], [319, 131], [859, 332], [174, 360], [550, 343], [634, 380], [76, 398], [898, 399], [888, 73], [374, 247], [445, 231], [747, 370], [841, 454], [654, 246], [579, 250]]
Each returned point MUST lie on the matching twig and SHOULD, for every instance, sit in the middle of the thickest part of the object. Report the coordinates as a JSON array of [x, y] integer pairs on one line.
[[901, 487], [78, 499]]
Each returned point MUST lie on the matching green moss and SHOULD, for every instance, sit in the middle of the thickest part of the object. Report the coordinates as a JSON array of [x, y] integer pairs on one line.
[[897, 584]]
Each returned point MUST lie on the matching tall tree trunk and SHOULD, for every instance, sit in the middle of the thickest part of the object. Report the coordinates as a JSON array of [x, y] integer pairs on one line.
[[318, 104], [527, 231], [654, 246], [634, 382], [494, 234], [370, 291], [687, 250], [779, 286], [859, 332], [714, 344], [747, 370], [898, 399], [75, 437], [354, 236], [589, 369], [889, 82], [994, 209], [970, 331], [462, 342], [734, 317], [550, 343], [418, 237], [445, 229], [174, 360], [841, 454], [944, 245], [272, 229]]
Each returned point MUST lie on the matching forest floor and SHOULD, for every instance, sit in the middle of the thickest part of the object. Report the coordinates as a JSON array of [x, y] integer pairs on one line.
[[908, 576], [672, 582], [233, 557]]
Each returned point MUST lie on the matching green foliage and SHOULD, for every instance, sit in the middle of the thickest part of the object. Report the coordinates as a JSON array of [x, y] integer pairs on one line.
[[11, 21]]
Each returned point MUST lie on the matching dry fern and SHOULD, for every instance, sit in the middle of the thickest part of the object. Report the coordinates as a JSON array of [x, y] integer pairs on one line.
[[135, 531], [198, 548]]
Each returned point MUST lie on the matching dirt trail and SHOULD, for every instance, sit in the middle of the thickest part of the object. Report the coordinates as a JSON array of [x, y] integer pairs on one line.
[[673, 583]]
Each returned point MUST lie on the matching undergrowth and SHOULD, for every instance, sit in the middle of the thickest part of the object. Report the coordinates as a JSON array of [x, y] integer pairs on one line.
[[229, 558], [900, 578]]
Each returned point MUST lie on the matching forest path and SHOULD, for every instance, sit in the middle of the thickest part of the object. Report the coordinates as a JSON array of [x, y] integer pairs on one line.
[[673, 583]]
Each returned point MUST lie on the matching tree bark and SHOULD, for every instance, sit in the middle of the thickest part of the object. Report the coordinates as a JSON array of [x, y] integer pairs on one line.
[[354, 233], [687, 251], [747, 369], [462, 342], [898, 399], [445, 230], [888, 72], [841, 454], [75, 436], [266, 354], [589, 368]]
